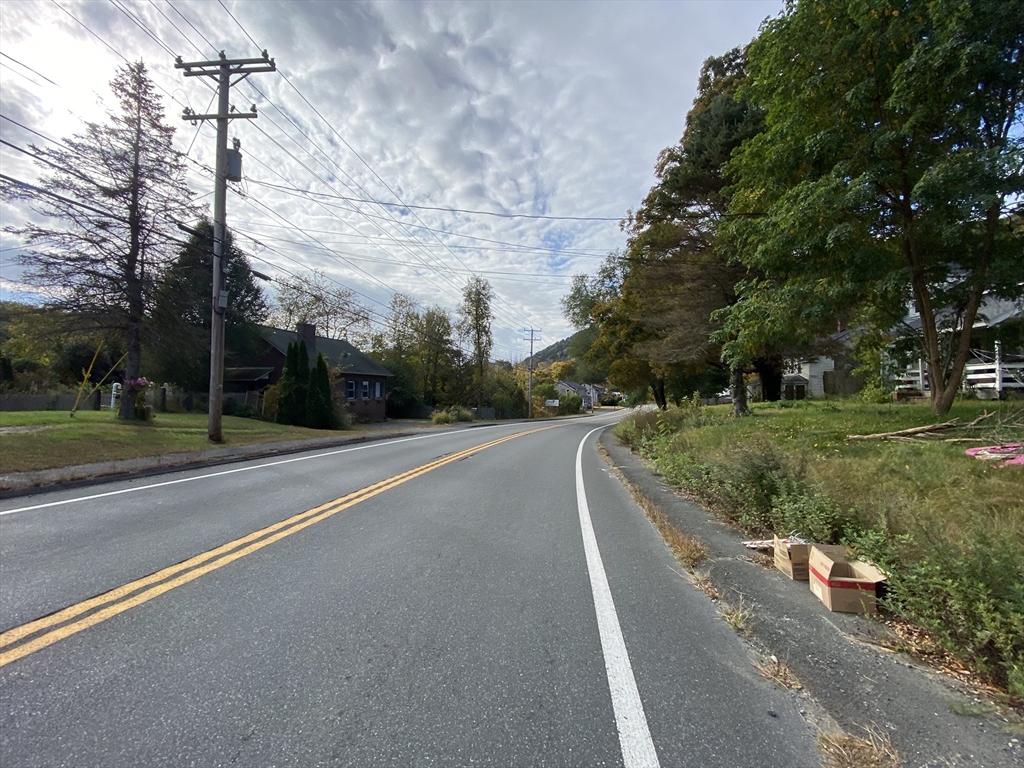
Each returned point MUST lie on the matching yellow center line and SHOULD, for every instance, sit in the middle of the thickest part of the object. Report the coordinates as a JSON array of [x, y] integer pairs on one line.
[[115, 601]]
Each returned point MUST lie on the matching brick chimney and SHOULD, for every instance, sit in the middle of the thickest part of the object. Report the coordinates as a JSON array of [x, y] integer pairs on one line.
[[307, 333]]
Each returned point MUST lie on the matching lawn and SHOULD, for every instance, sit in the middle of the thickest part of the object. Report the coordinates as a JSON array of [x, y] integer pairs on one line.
[[32, 440]]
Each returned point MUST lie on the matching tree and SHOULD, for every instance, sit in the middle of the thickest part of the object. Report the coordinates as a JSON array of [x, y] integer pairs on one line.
[[316, 299], [116, 190], [435, 356], [178, 338], [294, 383], [475, 327], [320, 411], [887, 175]]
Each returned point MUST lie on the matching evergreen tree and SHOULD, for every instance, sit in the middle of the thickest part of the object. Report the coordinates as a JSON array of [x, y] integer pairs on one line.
[[320, 413], [286, 411], [117, 189], [178, 341]]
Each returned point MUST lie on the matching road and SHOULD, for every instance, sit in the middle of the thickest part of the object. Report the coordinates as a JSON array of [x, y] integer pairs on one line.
[[484, 596]]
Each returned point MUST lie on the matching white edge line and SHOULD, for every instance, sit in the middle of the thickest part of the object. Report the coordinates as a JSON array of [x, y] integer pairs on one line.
[[375, 444], [634, 734]]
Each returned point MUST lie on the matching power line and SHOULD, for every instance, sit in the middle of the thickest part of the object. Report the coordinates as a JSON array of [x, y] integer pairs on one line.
[[26, 66], [434, 207], [507, 247], [351, 149]]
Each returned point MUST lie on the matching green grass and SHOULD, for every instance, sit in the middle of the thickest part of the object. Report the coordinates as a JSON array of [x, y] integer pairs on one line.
[[60, 440], [948, 528]]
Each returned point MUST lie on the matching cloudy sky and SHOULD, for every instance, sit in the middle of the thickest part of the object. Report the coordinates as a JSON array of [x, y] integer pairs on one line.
[[537, 109]]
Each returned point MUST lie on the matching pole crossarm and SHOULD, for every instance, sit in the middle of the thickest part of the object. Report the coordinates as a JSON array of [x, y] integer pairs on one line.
[[193, 118], [212, 68]]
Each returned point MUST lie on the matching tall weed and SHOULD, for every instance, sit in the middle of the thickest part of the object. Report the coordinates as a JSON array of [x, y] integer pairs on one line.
[[948, 531]]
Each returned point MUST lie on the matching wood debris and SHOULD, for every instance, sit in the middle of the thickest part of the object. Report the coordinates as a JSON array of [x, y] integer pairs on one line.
[[925, 431]]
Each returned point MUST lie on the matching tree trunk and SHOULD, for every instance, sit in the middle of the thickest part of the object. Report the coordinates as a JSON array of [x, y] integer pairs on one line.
[[133, 362], [769, 369], [658, 389], [738, 390]]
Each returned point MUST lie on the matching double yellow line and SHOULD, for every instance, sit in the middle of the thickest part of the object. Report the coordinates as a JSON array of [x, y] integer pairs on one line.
[[59, 625]]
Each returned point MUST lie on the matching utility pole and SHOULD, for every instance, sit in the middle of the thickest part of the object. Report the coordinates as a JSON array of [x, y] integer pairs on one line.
[[221, 69], [529, 396]]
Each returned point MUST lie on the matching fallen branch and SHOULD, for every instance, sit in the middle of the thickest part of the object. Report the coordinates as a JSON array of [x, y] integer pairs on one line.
[[907, 432], [926, 430]]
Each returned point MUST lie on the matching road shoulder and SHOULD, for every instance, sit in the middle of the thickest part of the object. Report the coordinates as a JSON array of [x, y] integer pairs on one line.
[[837, 657]]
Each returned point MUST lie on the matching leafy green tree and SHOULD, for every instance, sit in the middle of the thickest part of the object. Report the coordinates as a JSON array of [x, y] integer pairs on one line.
[[320, 410], [178, 338], [887, 175], [115, 190], [474, 326]]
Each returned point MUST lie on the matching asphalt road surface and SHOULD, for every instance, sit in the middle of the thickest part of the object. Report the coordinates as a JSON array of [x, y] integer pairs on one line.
[[487, 596]]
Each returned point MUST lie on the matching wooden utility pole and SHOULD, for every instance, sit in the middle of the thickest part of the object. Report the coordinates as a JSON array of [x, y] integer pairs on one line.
[[221, 69], [529, 394]]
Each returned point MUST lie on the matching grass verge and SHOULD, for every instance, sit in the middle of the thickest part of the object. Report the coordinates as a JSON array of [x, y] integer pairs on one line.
[[948, 529], [35, 440]]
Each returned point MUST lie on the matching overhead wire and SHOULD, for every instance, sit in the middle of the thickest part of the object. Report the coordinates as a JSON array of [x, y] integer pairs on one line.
[[351, 149], [293, 157], [512, 246]]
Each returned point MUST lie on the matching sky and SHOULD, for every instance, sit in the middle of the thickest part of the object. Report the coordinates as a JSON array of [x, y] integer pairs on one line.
[[524, 109]]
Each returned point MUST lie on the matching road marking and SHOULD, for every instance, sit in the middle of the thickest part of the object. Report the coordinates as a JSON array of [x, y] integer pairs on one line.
[[207, 476], [128, 596], [150, 486], [634, 735]]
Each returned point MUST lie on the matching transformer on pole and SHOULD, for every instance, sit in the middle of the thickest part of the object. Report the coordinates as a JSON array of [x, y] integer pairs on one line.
[[229, 166]]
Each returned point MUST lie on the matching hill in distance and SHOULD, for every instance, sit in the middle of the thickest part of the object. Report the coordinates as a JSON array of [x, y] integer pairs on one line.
[[559, 351]]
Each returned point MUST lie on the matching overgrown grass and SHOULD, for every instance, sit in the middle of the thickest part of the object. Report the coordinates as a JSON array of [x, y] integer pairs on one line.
[[948, 529], [450, 414], [54, 439]]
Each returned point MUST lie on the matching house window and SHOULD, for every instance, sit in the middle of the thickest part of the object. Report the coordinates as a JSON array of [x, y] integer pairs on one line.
[[378, 388], [366, 390], [350, 389]]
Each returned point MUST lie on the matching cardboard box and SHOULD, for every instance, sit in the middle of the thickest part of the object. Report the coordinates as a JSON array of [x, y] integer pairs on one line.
[[792, 558], [847, 586]]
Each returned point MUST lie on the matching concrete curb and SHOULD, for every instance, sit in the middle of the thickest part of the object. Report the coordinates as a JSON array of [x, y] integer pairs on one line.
[[836, 656], [20, 483]]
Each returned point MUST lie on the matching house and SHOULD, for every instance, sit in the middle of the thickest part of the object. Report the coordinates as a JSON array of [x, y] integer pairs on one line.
[[995, 365], [590, 394], [361, 387]]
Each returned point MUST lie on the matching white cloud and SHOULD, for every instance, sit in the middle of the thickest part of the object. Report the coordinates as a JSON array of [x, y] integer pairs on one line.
[[521, 107]]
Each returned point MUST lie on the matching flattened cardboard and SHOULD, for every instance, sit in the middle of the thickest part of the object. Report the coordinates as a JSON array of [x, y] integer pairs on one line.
[[845, 586]]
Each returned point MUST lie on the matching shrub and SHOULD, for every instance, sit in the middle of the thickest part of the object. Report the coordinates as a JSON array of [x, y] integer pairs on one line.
[[441, 417], [812, 514], [969, 595], [459, 413], [570, 403]]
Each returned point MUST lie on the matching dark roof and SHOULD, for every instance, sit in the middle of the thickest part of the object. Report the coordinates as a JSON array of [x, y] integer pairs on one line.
[[337, 351], [247, 374]]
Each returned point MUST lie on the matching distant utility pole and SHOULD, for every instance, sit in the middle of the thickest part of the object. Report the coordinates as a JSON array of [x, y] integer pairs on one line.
[[222, 69], [529, 396]]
